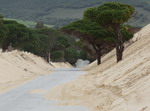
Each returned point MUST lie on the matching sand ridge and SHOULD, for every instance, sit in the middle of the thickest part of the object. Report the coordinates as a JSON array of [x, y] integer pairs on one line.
[[112, 86], [16, 67]]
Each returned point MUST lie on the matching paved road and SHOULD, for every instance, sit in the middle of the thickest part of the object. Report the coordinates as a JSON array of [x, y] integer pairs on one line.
[[20, 98]]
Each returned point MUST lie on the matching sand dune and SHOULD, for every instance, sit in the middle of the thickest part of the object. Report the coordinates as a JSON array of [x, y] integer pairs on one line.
[[17, 67], [112, 86], [61, 65]]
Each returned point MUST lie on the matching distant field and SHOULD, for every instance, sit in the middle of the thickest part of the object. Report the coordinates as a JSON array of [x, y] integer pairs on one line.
[[141, 19], [147, 1], [61, 12], [27, 23]]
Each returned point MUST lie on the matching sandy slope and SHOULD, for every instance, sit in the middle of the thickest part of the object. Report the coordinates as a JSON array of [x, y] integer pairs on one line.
[[17, 67], [114, 87], [61, 65]]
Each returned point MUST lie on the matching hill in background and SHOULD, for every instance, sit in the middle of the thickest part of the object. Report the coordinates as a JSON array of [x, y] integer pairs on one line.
[[61, 12]]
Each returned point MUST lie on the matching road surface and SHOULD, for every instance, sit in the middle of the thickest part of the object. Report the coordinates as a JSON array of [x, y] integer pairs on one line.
[[21, 98]]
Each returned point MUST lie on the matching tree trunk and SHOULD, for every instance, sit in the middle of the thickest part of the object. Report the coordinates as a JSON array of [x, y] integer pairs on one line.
[[49, 57], [119, 45], [99, 54], [98, 49], [46, 56], [119, 51]]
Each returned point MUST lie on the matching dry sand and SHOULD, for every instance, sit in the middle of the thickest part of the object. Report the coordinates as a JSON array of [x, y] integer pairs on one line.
[[111, 86], [18, 67], [61, 65]]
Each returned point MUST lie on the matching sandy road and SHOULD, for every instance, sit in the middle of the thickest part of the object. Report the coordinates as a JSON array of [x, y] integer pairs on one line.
[[21, 98]]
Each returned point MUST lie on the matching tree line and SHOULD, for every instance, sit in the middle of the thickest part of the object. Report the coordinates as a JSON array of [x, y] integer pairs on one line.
[[103, 27], [41, 41]]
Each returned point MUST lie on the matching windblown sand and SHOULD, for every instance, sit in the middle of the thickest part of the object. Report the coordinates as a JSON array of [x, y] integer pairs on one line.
[[18, 67], [111, 86]]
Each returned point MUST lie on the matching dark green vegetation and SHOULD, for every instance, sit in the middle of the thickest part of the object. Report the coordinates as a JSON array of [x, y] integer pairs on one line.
[[61, 12], [41, 41], [103, 26], [98, 37]]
